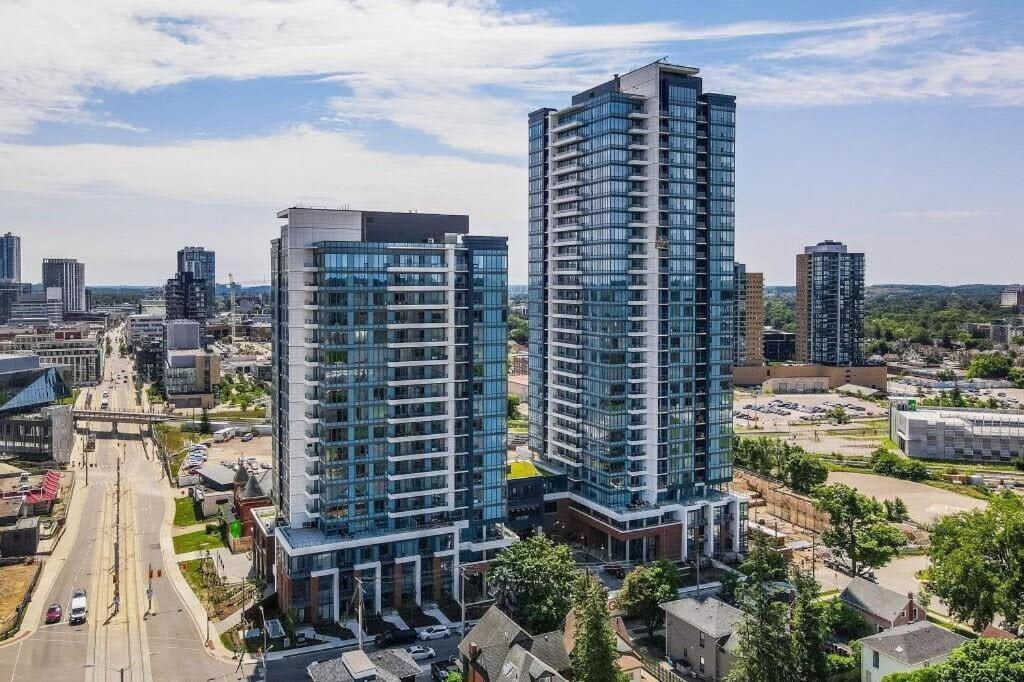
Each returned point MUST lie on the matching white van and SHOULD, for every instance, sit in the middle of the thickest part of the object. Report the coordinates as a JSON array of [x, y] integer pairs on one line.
[[79, 607]]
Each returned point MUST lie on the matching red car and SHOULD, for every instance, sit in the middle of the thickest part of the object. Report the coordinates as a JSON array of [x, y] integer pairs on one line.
[[54, 613]]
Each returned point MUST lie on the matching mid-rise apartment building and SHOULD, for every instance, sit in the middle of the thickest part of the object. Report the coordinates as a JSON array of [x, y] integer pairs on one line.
[[632, 294], [9, 293], [187, 297], [388, 406], [77, 351], [68, 275], [10, 258], [203, 266], [829, 305], [748, 325]]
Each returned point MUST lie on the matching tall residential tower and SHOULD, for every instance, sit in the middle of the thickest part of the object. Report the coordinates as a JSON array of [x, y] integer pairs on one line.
[[748, 325], [68, 275], [829, 305], [631, 222], [202, 264], [10, 258], [388, 407]]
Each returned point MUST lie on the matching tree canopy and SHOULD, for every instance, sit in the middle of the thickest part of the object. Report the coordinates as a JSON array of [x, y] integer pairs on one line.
[[977, 562], [532, 581], [776, 458], [989, 366], [646, 588], [593, 655], [977, 660], [858, 529]]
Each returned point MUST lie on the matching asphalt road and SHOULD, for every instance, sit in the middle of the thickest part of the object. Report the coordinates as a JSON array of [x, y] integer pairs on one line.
[[161, 645], [294, 667]]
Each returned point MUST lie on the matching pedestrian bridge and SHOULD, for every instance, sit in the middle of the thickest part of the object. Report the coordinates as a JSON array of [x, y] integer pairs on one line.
[[122, 417]]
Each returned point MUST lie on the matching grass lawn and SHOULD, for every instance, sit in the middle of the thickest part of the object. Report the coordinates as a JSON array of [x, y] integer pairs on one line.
[[185, 512], [254, 413], [521, 469], [965, 490], [194, 542]]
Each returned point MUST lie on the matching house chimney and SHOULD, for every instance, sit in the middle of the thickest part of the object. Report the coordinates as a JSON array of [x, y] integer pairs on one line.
[[474, 651]]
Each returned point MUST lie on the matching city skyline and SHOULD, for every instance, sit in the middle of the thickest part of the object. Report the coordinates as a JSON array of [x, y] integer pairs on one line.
[[853, 124]]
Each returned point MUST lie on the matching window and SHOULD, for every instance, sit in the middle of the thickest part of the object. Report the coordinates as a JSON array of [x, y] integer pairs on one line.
[[702, 640], [702, 664], [874, 659]]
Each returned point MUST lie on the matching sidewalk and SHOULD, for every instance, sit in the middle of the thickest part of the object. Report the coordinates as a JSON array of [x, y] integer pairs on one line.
[[188, 598]]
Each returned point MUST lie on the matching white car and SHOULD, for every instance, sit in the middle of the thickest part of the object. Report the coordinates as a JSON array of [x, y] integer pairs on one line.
[[434, 632], [419, 653]]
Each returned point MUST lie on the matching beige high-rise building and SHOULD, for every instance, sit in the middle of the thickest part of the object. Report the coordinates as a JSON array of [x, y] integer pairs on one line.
[[748, 348]]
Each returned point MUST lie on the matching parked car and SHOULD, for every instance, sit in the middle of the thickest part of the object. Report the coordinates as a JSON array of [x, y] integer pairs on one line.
[[439, 670], [419, 653], [394, 636], [434, 632], [246, 437], [54, 613]]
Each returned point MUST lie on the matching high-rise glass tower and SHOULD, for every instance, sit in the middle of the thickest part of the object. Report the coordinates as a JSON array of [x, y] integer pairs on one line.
[[10, 258], [388, 408], [203, 266], [631, 222], [829, 305], [69, 276]]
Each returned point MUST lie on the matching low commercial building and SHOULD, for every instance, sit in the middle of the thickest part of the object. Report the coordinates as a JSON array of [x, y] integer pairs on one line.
[[77, 351], [882, 608], [906, 648], [955, 434], [699, 636], [42, 308], [779, 346], [33, 425], [527, 484], [801, 378]]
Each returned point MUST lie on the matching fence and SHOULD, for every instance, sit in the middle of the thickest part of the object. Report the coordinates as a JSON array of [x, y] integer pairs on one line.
[[781, 502], [659, 668], [10, 624]]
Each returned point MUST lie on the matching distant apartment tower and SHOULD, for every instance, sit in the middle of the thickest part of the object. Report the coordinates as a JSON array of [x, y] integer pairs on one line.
[[203, 265], [1012, 297], [388, 406], [631, 224], [748, 326], [187, 298], [829, 305], [10, 258], [9, 293], [68, 275]]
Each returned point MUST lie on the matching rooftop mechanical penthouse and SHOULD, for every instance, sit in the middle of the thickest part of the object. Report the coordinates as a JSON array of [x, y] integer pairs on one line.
[[389, 406], [631, 226]]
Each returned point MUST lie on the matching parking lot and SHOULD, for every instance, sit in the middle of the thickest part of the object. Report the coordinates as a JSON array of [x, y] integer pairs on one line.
[[779, 411]]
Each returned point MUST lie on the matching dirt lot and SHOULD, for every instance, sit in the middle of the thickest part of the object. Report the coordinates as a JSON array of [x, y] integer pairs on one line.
[[924, 503], [14, 585], [258, 447]]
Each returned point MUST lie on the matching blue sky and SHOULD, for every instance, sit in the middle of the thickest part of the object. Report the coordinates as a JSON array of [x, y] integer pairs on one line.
[[128, 130]]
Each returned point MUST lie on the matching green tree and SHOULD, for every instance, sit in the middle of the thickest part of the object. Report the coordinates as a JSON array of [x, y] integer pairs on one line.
[[513, 407], [894, 464], [454, 676], [811, 624], [593, 655], [805, 472], [896, 510], [518, 330], [989, 366], [838, 415], [977, 562], [646, 588], [763, 564], [765, 648], [977, 660], [204, 421], [858, 527], [531, 580]]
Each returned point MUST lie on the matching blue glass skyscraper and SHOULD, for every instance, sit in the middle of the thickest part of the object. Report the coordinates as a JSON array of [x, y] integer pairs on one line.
[[631, 226], [388, 408]]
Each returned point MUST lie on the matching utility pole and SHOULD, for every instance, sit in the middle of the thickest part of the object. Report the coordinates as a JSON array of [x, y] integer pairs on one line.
[[117, 542], [149, 591], [462, 599]]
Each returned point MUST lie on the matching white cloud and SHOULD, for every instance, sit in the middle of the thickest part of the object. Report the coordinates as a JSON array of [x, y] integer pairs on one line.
[[941, 214], [870, 38]]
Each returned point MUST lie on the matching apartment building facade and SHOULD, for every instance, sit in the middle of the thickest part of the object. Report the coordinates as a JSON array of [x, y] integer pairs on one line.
[[203, 266], [829, 305], [10, 258], [388, 406], [632, 294], [78, 352], [69, 276], [748, 325]]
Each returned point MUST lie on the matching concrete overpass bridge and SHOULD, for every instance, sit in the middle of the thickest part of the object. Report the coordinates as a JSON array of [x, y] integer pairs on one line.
[[124, 417]]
